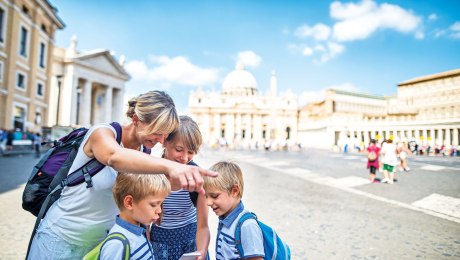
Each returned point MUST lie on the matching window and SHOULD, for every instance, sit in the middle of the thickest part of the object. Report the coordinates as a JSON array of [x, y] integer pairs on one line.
[[23, 42], [44, 28], [42, 55], [25, 10], [40, 89], [2, 24], [21, 80]]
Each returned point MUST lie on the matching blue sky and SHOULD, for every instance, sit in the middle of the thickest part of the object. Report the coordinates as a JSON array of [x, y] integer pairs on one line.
[[366, 46]]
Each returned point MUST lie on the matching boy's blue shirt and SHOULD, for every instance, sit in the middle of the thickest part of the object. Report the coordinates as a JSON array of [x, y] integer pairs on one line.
[[251, 236], [136, 235]]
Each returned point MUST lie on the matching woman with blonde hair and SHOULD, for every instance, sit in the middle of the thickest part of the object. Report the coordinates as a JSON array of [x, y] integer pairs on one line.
[[81, 217]]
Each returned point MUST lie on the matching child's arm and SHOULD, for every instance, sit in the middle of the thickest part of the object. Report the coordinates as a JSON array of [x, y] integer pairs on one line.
[[202, 229], [112, 249]]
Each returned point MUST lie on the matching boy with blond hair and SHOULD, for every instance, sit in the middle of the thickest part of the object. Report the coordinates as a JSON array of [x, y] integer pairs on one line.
[[223, 195], [139, 198]]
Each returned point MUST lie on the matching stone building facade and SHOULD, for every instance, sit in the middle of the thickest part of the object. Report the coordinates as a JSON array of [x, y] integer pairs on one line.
[[240, 116], [27, 29], [87, 87], [425, 110]]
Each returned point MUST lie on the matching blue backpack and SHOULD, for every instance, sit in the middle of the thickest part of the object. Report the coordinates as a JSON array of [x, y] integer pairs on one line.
[[274, 247]]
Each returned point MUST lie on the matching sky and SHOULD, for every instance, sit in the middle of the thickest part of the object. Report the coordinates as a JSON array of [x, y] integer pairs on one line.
[[178, 46]]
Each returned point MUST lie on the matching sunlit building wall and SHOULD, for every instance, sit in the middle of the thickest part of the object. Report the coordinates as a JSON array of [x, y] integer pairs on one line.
[[27, 31], [426, 110]]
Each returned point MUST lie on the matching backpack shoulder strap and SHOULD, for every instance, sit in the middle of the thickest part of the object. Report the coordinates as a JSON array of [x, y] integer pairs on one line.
[[92, 167], [239, 245], [123, 239], [95, 253]]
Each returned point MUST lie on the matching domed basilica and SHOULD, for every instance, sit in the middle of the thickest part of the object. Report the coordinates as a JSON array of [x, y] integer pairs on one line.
[[240, 116]]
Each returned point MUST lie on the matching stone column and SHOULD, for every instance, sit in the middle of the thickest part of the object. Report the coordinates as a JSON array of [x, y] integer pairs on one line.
[[108, 104], [216, 133], [455, 137], [431, 134], [86, 105], [447, 139], [425, 137], [238, 126], [229, 127]]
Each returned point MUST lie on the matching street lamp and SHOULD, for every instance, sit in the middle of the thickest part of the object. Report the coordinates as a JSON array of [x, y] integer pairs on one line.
[[58, 97], [79, 91]]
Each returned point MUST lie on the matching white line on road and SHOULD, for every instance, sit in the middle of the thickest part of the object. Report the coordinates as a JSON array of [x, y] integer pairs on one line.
[[432, 167], [440, 203], [326, 181]]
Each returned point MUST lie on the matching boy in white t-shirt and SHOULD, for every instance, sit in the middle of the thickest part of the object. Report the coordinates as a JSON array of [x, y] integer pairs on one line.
[[139, 198], [223, 195], [390, 160]]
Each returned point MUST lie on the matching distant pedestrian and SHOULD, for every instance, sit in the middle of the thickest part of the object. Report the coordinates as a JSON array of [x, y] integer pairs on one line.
[[373, 152], [403, 152], [390, 160], [37, 144]]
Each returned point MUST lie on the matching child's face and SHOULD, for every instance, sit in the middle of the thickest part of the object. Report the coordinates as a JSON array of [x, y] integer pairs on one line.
[[222, 202], [177, 151], [147, 210]]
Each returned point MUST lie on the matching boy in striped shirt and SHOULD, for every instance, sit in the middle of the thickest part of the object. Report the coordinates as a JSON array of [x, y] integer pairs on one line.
[[223, 195]]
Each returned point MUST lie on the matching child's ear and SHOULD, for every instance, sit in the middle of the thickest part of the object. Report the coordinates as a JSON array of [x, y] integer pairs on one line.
[[128, 202], [235, 190]]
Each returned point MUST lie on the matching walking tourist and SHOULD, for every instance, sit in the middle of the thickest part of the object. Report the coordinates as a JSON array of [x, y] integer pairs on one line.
[[403, 152], [390, 160], [81, 217], [373, 152]]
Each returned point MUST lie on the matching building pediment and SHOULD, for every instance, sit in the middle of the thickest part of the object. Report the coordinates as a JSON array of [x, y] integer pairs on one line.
[[102, 61]]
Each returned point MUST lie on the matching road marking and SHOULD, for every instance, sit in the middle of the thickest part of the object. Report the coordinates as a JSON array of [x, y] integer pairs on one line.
[[331, 182], [351, 157], [440, 203], [276, 163], [351, 181], [336, 155], [432, 167]]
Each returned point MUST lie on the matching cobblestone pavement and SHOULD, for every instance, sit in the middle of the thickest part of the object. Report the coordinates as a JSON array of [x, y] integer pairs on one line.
[[321, 213]]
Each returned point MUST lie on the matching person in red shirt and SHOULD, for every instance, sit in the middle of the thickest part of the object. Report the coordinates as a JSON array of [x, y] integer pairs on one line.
[[373, 152]]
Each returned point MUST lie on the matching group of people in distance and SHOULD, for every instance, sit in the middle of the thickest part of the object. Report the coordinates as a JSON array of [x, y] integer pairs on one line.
[[389, 163], [160, 205]]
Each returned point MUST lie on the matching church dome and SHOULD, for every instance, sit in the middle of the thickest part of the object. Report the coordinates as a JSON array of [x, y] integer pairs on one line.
[[240, 82]]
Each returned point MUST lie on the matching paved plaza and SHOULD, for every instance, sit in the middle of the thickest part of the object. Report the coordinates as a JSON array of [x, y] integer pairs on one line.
[[319, 202]]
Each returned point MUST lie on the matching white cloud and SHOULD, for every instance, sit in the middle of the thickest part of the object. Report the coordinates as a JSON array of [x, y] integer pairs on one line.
[[455, 27], [452, 32], [249, 58], [167, 71], [307, 51], [319, 32], [359, 21], [433, 17]]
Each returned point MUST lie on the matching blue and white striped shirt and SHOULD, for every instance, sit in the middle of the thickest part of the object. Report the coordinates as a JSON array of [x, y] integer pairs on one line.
[[251, 236], [178, 210], [139, 245]]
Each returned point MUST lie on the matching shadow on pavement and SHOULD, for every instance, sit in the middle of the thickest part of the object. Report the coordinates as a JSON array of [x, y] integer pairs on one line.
[[15, 170]]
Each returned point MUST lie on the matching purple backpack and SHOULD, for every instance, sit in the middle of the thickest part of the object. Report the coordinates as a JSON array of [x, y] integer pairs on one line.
[[50, 175]]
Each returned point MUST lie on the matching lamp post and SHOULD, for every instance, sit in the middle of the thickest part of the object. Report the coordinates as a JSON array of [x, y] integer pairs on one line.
[[79, 91], [58, 97]]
